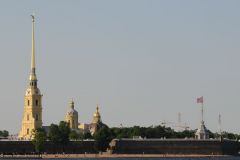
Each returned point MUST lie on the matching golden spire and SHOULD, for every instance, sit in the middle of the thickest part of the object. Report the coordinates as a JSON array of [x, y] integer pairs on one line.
[[97, 108], [33, 43], [71, 104], [33, 64], [97, 114]]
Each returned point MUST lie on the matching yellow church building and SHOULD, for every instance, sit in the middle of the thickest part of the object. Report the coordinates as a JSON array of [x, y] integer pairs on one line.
[[32, 115], [72, 116], [72, 119]]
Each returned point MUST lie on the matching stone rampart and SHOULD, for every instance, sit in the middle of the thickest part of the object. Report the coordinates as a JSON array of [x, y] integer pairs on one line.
[[26, 147], [174, 146]]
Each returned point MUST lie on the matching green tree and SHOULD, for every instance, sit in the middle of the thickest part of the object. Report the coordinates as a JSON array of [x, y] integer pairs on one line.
[[54, 134], [64, 132], [87, 136], [102, 139], [151, 132], [185, 134], [120, 132], [211, 134], [59, 134], [39, 139], [76, 136], [230, 135], [4, 133]]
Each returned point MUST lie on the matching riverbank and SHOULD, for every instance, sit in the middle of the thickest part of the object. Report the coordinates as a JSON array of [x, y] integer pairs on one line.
[[126, 155], [107, 155]]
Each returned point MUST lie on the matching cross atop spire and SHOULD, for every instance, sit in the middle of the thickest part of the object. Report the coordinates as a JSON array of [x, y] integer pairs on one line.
[[33, 63], [97, 108]]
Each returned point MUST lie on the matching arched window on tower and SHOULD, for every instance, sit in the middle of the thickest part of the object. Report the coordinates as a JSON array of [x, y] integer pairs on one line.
[[36, 102], [28, 117], [28, 131], [28, 102]]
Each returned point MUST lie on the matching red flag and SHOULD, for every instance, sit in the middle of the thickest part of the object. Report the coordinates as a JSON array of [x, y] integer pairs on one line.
[[200, 100]]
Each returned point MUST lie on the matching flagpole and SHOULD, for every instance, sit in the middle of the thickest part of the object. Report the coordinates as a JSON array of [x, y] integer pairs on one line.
[[200, 100]]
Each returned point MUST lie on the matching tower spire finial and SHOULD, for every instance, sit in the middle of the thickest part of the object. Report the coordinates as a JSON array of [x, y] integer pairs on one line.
[[71, 103], [97, 108], [33, 63]]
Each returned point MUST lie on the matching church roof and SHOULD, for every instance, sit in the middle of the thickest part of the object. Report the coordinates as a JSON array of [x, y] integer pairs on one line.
[[71, 110]]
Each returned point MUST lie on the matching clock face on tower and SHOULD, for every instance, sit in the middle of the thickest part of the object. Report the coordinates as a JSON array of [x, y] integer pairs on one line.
[[28, 92], [32, 91]]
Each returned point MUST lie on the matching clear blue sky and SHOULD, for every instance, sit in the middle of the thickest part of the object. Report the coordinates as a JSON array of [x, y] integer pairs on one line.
[[142, 61]]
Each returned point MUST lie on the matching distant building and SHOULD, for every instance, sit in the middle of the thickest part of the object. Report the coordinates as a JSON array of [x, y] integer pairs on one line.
[[84, 127], [72, 116], [72, 119], [202, 132], [96, 122], [32, 115]]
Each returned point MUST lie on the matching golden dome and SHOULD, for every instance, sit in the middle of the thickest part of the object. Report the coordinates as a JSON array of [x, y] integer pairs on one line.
[[96, 116]]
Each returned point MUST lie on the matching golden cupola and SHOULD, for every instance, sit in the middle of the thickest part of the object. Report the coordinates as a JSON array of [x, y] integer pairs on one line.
[[96, 116], [96, 122]]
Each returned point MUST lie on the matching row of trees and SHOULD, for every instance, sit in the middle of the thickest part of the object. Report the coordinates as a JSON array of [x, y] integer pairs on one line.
[[150, 132], [105, 135], [61, 134], [4, 133], [58, 135]]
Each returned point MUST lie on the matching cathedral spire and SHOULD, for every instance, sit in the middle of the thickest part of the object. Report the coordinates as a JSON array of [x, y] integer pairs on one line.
[[32, 115], [33, 76], [33, 44], [71, 104]]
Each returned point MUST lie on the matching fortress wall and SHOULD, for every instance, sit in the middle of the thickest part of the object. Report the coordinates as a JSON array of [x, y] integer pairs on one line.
[[151, 146], [26, 147], [230, 147], [129, 146]]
